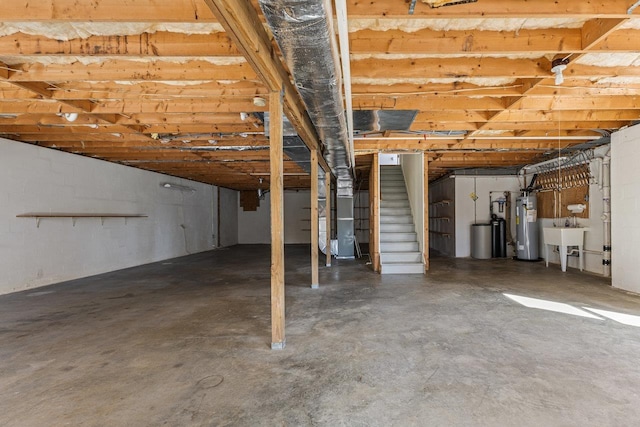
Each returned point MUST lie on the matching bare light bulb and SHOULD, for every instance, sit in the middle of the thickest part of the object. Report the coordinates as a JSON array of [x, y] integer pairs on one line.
[[70, 117], [557, 67]]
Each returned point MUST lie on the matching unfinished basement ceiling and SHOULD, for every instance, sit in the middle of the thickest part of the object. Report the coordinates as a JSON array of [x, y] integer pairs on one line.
[[156, 92]]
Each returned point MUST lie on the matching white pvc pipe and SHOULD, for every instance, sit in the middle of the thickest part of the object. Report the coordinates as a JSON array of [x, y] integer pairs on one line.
[[606, 214], [343, 37]]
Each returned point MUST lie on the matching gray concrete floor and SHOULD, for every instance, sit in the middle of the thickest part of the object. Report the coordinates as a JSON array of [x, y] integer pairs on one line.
[[186, 342]]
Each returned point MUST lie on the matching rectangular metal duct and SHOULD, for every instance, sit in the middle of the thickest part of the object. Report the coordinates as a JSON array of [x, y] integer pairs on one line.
[[303, 30], [294, 147], [383, 120]]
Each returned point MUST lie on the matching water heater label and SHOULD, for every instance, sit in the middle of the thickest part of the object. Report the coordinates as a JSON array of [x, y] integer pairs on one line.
[[532, 215], [521, 247]]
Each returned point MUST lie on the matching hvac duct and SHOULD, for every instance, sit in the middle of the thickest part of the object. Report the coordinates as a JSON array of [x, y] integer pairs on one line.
[[322, 215], [304, 32]]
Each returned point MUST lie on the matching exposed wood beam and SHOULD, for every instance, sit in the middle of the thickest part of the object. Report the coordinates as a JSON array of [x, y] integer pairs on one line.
[[277, 222], [314, 220], [544, 41], [130, 106], [466, 42], [569, 115], [593, 32], [596, 30], [77, 106], [244, 27], [381, 87], [156, 44], [430, 145], [107, 10], [426, 103], [448, 67], [121, 69], [492, 9]]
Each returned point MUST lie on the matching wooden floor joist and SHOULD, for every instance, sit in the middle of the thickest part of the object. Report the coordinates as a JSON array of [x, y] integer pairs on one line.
[[149, 75]]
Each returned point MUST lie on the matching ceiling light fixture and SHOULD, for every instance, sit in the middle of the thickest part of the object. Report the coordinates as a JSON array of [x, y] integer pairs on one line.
[[258, 101], [179, 187], [557, 67]]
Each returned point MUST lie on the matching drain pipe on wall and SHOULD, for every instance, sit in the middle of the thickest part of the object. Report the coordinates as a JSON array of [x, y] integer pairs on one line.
[[606, 213]]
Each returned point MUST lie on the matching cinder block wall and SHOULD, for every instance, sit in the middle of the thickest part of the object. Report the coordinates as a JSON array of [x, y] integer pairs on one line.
[[35, 179]]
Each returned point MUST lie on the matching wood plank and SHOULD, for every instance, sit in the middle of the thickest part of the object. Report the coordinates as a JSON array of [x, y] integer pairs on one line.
[[156, 44], [276, 146], [491, 9], [107, 10], [314, 220], [123, 70], [419, 144], [596, 30], [545, 41], [425, 215], [425, 68], [593, 32], [426, 103], [565, 40], [327, 180], [374, 213], [381, 87]]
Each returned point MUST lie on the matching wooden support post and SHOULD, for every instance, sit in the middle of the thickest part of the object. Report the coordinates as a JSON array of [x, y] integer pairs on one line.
[[314, 220], [374, 213], [425, 215], [327, 180], [276, 159]]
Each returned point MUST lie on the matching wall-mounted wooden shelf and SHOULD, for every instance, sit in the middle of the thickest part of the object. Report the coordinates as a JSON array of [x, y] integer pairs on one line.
[[441, 218], [440, 233], [74, 216], [441, 202]]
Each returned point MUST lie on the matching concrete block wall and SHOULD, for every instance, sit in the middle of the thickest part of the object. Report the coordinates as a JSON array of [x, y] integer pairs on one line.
[[254, 227], [625, 209], [36, 179], [228, 217]]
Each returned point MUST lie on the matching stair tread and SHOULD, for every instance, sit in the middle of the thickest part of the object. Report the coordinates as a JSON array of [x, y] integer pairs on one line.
[[389, 233], [402, 263]]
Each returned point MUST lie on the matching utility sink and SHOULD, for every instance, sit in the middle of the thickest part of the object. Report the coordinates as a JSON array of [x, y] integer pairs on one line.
[[563, 237]]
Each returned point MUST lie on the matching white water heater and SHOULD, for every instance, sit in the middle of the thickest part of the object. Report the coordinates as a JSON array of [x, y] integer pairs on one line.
[[526, 228]]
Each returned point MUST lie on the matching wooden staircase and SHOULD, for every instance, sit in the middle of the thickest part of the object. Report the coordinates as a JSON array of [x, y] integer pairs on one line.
[[399, 248]]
